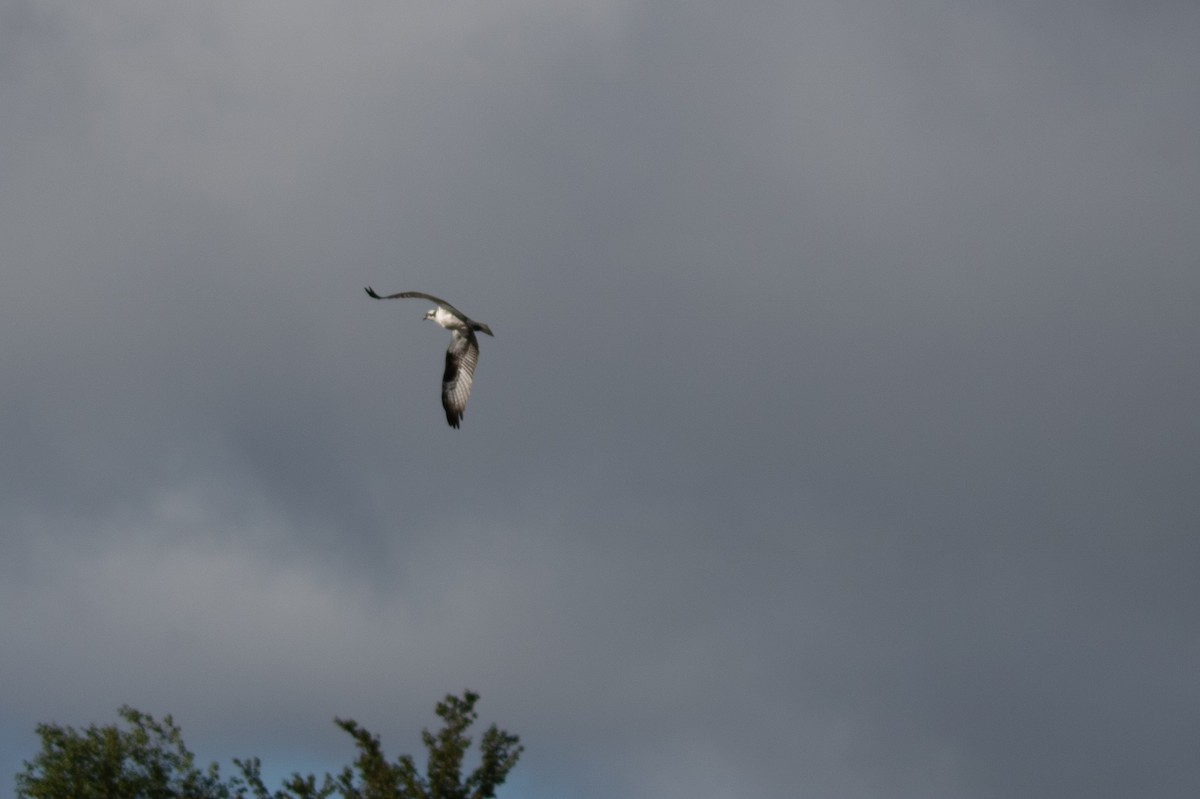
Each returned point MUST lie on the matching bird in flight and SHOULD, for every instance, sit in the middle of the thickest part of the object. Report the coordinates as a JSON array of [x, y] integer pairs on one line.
[[461, 355]]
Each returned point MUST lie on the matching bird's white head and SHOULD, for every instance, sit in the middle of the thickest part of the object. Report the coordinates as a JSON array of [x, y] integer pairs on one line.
[[445, 319]]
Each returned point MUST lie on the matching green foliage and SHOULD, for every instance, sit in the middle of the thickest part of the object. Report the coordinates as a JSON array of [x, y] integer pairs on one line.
[[145, 761], [378, 779], [149, 761]]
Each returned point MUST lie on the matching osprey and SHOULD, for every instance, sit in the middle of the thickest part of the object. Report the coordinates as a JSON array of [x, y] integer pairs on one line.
[[461, 355]]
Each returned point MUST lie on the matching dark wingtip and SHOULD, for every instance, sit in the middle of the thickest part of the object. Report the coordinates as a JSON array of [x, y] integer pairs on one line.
[[371, 292]]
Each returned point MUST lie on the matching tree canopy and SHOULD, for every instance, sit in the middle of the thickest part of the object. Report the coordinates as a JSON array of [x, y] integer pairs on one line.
[[147, 759]]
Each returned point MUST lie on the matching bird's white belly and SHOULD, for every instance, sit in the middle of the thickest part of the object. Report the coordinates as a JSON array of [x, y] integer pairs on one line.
[[447, 319]]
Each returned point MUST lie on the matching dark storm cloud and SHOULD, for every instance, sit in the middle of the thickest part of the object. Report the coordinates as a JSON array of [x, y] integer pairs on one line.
[[837, 436]]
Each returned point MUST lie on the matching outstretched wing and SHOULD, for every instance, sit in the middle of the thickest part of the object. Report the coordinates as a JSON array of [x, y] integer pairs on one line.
[[418, 295], [461, 357]]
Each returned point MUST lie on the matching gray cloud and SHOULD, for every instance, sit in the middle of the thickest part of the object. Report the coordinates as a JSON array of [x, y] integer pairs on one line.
[[837, 435]]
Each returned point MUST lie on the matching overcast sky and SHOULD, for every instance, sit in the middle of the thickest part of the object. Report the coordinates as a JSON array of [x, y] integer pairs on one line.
[[838, 438]]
